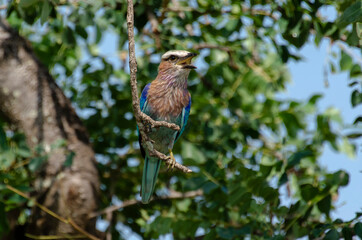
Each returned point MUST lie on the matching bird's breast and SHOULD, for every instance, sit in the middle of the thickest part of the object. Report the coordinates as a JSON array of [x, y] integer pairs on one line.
[[167, 103]]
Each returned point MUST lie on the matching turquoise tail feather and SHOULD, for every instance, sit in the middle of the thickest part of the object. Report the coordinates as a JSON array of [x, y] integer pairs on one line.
[[149, 178]]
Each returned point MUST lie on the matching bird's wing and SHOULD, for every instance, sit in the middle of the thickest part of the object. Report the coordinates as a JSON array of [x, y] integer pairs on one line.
[[184, 118], [143, 100], [143, 105]]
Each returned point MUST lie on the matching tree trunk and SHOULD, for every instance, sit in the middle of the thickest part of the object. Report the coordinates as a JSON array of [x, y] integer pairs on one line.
[[31, 100]]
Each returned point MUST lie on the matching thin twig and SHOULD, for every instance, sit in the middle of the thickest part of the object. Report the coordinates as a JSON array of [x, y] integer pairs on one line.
[[2, 7], [53, 214], [254, 11], [154, 27], [127, 203], [350, 52], [258, 70], [53, 237], [144, 121]]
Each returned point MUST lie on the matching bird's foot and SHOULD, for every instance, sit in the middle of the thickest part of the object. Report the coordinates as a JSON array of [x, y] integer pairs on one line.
[[172, 162], [148, 128]]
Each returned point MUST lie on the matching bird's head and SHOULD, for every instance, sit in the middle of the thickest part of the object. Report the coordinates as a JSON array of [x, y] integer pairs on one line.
[[176, 63]]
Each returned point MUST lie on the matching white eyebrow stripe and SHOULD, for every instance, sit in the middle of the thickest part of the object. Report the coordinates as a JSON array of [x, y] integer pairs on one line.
[[178, 53]]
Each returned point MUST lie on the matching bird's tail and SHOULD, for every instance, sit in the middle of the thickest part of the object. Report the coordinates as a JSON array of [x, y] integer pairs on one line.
[[149, 178]]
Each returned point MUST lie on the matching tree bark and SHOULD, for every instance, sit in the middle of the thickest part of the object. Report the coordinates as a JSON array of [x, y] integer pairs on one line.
[[32, 101]]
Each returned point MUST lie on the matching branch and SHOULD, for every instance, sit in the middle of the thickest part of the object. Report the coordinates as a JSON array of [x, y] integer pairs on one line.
[[258, 70], [154, 27], [127, 203], [350, 52], [144, 122], [53, 237], [53, 214]]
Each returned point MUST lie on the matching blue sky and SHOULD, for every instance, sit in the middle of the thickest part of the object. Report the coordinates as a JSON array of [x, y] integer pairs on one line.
[[308, 79]]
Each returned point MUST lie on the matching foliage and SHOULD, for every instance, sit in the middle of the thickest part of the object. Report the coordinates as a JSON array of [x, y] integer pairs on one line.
[[18, 164], [255, 156]]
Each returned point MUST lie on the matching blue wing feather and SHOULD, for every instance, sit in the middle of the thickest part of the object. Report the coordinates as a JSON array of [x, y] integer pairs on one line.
[[143, 100], [185, 117], [144, 96]]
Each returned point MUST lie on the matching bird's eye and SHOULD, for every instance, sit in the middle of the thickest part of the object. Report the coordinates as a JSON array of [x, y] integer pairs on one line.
[[172, 57]]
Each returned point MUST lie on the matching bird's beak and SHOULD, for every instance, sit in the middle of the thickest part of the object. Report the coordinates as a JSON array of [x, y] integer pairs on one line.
[[185, 62]]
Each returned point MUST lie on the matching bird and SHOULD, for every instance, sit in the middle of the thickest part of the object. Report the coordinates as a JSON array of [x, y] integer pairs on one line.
[[165, 99]]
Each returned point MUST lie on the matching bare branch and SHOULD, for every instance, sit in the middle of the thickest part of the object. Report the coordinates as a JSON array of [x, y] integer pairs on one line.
[[258, 70], [154, 27], [144, 121], [350, 52], [173, 195], [254, 11]]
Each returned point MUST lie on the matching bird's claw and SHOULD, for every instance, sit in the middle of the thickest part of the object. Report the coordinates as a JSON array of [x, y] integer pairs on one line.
[[148, 128], [172, 161]]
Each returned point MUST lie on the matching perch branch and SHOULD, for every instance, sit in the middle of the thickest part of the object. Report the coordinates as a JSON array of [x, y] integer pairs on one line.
[[173, 195], [144, 121]]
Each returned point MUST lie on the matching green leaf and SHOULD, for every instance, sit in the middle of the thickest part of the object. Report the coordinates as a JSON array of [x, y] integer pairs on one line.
[[355, 71], [356, 98], [348, 148], [81, 31], [68, 36], [295, 158], [332, 235], [36, 163], [98, 34], [354, 135], [325, 205], [3, 141], [231, 232], [358, 229], [7, 158], [353, 39], [191, 154], [308, 192], [315, 98], [345, 62], [162, 224], [183, 228], [45, 11], [23, 152], [15, 199], [339, 178], [4, 225], [183, 205], [357, 120], [232, 24], [352, 14], [347, 233], [27, 3]]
